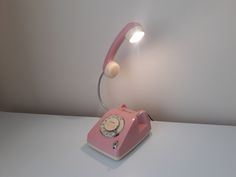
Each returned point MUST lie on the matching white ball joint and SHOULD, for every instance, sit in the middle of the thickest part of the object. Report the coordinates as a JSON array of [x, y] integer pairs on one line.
[[112, 69]]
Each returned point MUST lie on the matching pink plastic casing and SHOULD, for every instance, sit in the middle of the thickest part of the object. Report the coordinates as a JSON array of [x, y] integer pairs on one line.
[[137, 127], [117, 42]]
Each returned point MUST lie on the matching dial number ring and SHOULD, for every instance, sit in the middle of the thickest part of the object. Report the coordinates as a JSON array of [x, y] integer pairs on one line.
[[112, 126]]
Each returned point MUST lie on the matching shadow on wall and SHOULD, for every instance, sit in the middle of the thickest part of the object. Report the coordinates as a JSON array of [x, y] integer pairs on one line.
[[17, 84]]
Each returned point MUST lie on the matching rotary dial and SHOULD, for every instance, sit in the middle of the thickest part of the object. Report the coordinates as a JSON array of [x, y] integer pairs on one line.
[[112, 125]]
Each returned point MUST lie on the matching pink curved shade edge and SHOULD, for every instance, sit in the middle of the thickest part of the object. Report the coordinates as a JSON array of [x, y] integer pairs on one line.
[[117, 42]]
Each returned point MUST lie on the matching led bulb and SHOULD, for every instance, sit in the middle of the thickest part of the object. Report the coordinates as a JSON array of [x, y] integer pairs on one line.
[[136, 37], [135, 34]]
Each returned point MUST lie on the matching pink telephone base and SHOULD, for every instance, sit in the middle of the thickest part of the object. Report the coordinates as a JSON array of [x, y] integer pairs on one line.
[[119, 131]]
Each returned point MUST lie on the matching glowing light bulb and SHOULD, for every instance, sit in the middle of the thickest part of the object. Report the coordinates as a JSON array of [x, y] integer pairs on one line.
[[136, 37], [135, 34]]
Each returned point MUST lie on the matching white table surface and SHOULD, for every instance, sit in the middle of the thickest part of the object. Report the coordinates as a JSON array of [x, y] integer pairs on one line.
[[34, 145]]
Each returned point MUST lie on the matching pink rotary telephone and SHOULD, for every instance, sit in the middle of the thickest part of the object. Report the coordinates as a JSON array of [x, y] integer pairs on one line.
[[121, 129]]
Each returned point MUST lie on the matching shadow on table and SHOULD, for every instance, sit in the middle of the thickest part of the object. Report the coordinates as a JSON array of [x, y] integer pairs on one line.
[[110, 163]]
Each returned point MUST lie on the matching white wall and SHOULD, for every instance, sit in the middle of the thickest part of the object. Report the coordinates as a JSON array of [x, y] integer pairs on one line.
[[52, 51]]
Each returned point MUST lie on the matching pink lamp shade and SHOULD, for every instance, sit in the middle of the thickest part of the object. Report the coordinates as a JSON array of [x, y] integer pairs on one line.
[[132, 31]]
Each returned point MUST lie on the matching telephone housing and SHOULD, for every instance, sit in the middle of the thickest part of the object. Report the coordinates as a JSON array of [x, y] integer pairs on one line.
[[119, 131]]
